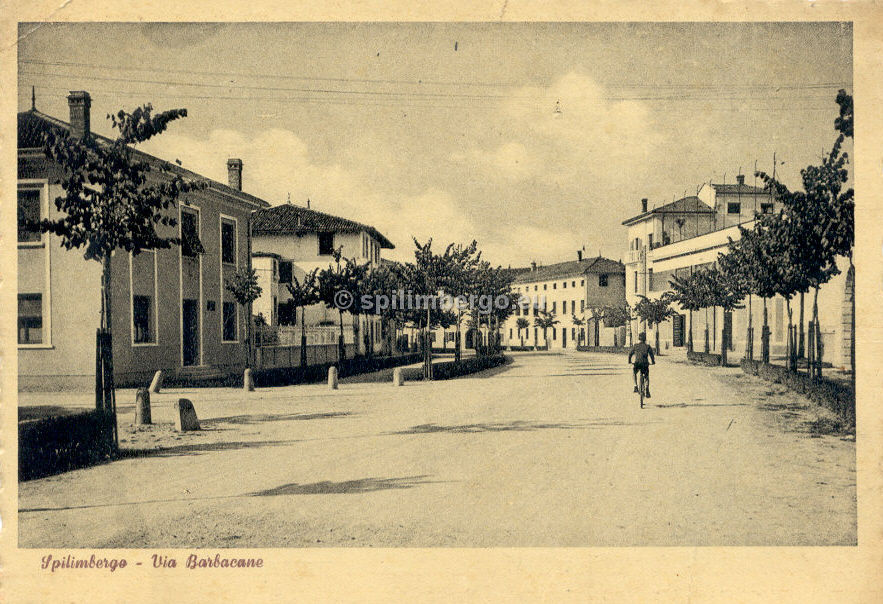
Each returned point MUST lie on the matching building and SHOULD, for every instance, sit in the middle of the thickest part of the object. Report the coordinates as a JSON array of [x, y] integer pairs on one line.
[[678, 238], [567, 290], [290, 241], [170, 310]]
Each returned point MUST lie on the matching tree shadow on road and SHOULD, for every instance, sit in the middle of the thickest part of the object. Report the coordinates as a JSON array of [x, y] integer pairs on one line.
[[683, 405], [197, 448], [269, 417], [513, 426], [347, 487]]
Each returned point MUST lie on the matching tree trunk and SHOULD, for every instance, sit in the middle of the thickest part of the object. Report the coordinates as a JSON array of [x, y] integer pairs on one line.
[[749, 337], [303, 335], [656, 329], [791, 352], [106, 393], [690, 335], [341, 347], [800, 335], [707, 349], [815, 370], [765, 335]]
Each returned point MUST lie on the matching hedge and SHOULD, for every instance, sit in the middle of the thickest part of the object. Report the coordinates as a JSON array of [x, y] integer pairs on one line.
[[704, 358], [611, 349], [447, 370], [836, 396], [284, 376], [58, 444]]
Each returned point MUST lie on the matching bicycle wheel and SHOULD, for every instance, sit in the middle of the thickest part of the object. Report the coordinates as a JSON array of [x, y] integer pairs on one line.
[[641, 388]]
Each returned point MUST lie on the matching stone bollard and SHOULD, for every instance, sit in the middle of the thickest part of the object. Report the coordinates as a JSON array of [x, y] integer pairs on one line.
[[185, 416], [247, 381], [156, 383], [332, 377], [397, 377], [142, 407]]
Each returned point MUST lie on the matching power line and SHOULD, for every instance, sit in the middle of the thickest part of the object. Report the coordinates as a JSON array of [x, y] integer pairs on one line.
[[395, 94], [728, 86]]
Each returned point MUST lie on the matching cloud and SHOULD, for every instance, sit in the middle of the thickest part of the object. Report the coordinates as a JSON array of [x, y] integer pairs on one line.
[[276, 163]]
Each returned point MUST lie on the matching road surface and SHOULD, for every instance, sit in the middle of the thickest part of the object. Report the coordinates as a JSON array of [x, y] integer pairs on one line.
[[551, 450]]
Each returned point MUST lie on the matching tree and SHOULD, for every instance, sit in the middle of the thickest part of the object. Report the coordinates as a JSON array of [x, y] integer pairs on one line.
[[654, 312], [113, 199], [597, 315], [304, 293], [243, 286], [726, 294], [688, 294], [617, 316], [333, 291], [578, 322], [545, 320], [521, 323]]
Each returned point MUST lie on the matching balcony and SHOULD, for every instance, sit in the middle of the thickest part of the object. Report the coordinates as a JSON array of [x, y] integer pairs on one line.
[[692, 251], [635, 256]]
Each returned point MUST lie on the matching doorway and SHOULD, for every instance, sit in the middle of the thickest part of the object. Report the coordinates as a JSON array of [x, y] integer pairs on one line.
[[190, 333]]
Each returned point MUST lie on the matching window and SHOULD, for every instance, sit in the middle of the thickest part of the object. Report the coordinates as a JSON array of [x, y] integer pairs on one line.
[[535, 288], [190, 244], [545, 285], [582, 305], [553, 306], [734, 207], [510, 333], [650, 279], [602, 280], [326, 244], [564, 307], [228, 241], [564, 285], [285, 271], [229, 322], [534, 310], [554, 334], [765, 208], [30, 318], [573, 333], [141, 332], [573, 284], [650, 241], [28, 213], [582, 283], [554, 286], [364, 245]]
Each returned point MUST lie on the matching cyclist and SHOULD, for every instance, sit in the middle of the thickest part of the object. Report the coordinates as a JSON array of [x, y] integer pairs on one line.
[[644, 357]]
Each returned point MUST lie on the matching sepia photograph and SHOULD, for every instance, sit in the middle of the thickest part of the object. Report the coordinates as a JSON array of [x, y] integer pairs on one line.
[[382, 285]]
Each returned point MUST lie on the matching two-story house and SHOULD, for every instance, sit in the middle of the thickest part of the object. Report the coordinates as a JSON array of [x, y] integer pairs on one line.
[[296, 240], [170, 308], [566, 290]]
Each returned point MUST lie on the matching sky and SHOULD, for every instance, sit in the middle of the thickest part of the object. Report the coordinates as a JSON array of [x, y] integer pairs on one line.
[[533, 139]]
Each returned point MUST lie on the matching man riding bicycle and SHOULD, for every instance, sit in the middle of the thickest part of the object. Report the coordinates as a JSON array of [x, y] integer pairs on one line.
[[644, 357]]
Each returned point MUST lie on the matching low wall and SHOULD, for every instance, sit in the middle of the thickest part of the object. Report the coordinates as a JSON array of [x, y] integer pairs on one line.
[[836, 396], [278, 357], [285, 376], [61, 443]]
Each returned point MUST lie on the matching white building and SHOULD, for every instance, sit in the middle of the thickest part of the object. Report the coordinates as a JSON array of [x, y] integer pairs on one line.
[[289, 241], [688, 234], [567, 290]]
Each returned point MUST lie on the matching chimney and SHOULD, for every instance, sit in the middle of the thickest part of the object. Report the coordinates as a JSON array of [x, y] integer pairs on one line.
[[234, 173], [579, 255], [79, 103], [533, 266], [740, 179], [644, 205]]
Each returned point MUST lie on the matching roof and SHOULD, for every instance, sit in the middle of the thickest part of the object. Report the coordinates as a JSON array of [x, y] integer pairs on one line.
[[32, 124], [684, 205], [574, 268], [266, 255], [289, 219], [739, 189]]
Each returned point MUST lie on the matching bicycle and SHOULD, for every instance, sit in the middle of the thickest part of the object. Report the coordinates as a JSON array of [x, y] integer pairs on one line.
[[642, 388]]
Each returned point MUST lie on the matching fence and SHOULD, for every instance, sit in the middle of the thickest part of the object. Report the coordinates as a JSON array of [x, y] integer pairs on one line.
[[280, 357]]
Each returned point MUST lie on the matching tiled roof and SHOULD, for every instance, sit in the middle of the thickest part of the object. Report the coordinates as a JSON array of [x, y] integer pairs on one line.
[[574, 268], [32, 124], [691, 204], [296, 220], [742, 189]]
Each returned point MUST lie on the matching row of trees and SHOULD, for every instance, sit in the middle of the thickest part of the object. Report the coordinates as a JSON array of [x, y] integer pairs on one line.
[[788, 253], [611, 316]]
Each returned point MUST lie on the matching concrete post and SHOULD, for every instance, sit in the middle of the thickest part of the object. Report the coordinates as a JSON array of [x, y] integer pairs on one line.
[[247, 381], [397, 377], [156, 383], [332, 377], [142, 407]]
